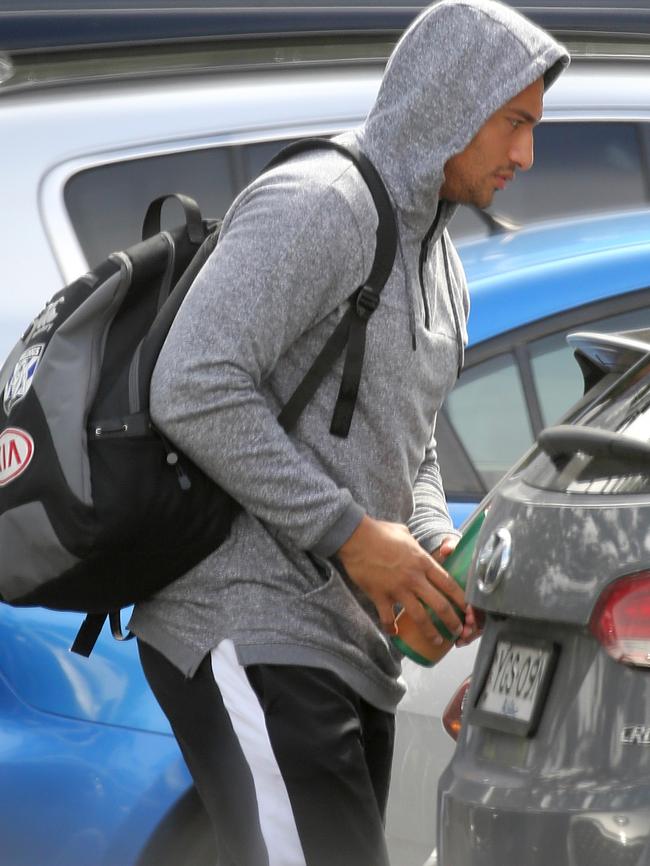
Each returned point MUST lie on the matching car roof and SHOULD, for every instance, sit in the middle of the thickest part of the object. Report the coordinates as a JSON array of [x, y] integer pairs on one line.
[[47, 42], [58, 27], [549, 267], [31, 25]]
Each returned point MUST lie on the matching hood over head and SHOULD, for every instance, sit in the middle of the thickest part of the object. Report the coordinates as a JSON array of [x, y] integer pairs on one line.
[[458, 63]]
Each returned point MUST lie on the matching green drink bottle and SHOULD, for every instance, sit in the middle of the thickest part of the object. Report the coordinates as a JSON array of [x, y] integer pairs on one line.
[[409, 639]]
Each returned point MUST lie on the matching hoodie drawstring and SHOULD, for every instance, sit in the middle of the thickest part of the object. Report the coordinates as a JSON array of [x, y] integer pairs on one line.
[[424, 249]]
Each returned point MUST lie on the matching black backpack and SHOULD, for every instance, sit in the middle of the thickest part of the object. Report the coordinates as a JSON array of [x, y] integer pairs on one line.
[[97, 509]]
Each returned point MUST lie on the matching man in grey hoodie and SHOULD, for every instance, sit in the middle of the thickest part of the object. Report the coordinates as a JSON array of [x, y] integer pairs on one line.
[[272, 658]]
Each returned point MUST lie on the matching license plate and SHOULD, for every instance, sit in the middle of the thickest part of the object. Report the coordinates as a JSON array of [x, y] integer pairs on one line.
[[513, 694]]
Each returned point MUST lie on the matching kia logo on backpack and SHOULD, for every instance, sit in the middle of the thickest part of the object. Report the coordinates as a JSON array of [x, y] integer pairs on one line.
[[16, 452]]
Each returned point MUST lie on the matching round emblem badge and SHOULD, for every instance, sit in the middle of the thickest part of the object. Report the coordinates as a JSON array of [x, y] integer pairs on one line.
[[493, 560], [16, 452]]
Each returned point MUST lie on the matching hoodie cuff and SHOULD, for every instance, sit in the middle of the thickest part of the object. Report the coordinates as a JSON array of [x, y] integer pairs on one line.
[[338, 534]]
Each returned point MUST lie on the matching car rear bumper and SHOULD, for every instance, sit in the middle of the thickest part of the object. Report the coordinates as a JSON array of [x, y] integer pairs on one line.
[[485, 825]]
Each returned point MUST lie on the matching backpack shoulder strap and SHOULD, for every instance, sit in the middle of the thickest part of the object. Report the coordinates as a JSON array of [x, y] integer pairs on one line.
[[351, 330]]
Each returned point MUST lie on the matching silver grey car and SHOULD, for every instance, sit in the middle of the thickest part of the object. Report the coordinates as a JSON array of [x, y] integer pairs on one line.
[[553, 760]]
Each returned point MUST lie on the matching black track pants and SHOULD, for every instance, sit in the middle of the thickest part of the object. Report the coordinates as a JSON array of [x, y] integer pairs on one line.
[[292, 766]]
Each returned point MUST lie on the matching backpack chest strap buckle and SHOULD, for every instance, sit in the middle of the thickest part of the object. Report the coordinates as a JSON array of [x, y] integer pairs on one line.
[[366, 302]]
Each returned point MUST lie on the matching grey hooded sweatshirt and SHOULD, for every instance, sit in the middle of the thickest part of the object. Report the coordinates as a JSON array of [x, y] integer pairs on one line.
[[295, 245]]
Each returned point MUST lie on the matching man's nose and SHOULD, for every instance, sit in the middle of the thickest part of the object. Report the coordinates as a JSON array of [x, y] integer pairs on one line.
[[522, 150]]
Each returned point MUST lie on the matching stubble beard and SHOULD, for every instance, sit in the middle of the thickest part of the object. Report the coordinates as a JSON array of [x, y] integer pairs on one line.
[[479, 195]]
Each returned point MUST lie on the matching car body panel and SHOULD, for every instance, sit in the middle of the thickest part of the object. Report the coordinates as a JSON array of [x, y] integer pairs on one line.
[[108, 688], [64, 806], [589, 259], [507, 798], [580, 545]]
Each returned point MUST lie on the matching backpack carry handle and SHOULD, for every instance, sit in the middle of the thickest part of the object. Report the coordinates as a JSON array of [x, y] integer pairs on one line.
[[90, 630], [193, 218]]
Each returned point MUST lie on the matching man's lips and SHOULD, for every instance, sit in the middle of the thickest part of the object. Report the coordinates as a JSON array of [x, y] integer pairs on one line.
[[503, 178]]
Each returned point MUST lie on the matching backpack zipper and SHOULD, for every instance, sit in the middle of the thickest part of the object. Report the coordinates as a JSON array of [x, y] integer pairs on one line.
[[134, 376], [173, 461]]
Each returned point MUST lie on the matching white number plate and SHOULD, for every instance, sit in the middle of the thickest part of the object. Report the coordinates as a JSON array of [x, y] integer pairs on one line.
[[515, 685]]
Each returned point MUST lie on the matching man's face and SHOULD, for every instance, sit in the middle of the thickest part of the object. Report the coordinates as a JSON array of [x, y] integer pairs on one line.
[[503, 144]]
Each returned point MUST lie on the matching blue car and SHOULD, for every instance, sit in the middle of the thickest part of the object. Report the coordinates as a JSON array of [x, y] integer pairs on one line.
[[89, 772]]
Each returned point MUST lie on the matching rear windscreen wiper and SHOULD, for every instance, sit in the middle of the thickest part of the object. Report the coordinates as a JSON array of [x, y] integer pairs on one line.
[[565, 440]]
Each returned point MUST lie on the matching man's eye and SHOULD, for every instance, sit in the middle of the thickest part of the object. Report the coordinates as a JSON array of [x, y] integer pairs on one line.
[[515, 122]]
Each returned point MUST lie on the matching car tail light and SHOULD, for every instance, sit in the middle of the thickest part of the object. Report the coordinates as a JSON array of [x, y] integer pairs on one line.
[[621, 619], [452, 718]]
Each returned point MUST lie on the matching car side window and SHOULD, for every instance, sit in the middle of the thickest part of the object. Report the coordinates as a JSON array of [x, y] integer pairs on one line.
[[459, 477], [487, 424], [580, 167], [569, 157], [488, 411]]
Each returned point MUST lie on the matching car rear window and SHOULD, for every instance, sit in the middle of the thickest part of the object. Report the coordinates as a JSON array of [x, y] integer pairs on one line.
[[107, 202], [621, 412]]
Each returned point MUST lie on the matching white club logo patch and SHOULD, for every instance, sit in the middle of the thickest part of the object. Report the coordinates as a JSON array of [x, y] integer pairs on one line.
[[45, 321], [16, 452], [21, 379]]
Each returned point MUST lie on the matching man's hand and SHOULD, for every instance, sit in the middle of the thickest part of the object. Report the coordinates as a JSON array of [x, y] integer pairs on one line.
[[447, 545], [386, 562], [473, 628]]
